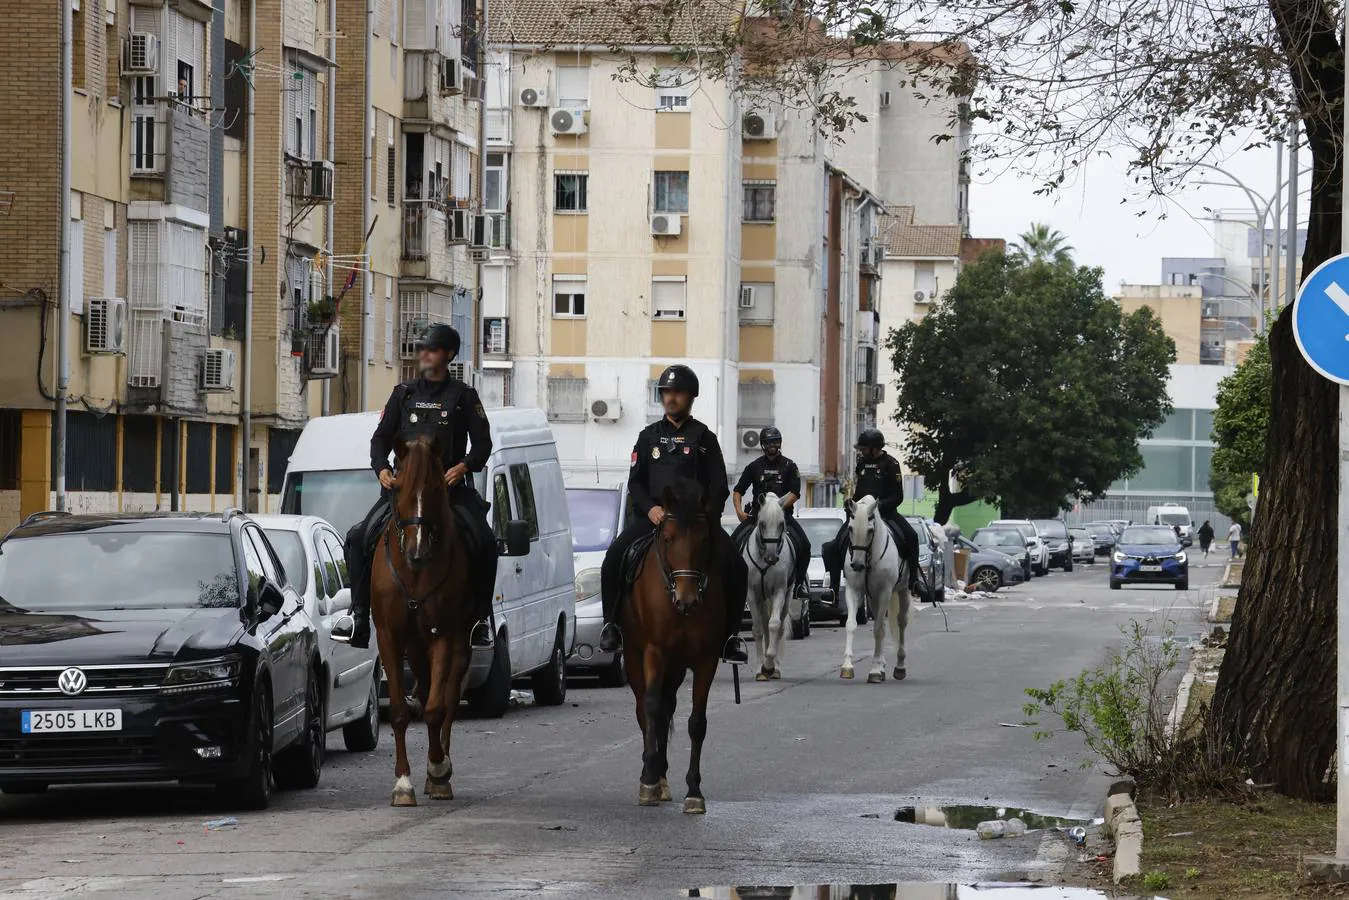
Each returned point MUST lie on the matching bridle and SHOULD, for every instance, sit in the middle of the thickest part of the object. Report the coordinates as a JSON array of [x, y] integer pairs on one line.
[[853, 549], [672, 576], [400, 524]]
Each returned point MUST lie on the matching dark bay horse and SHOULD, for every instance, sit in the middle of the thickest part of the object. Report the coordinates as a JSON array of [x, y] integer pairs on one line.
[[673, 623], [419, 592]]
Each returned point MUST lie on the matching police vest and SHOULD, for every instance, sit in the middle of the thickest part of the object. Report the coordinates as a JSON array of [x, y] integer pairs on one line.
[[425, 416], [772, 480], [675, 456], [875, 477]]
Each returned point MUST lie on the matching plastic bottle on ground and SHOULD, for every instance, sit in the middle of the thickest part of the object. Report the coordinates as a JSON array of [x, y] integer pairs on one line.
[[991, 830], [1014, 828]]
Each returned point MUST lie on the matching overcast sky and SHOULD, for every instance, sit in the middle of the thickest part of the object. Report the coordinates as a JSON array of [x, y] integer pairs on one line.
[[1100, 214]]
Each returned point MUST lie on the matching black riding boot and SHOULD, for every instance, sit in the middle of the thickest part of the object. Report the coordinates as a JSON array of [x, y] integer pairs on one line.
[[359, 569]]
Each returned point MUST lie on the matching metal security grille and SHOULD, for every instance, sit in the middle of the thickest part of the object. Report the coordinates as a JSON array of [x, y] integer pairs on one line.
[[224, 459], [756, 403], [566, 399], [91, 452], [199, 457], [280, 444], [138, 453]]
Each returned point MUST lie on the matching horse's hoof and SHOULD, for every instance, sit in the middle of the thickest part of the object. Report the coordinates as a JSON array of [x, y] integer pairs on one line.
[[438, 791], [648, 794], [777, 675], [847, 673], [875, 677], [665, 795], [760, 676], [695, 806], [403, 794], [901, 673]]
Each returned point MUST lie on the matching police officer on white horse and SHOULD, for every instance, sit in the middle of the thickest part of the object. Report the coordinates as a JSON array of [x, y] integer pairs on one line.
[[434, 405], [772, 473], [678, 446]]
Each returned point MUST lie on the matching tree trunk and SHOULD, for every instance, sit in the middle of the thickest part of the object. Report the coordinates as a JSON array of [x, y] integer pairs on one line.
[[948, 500], [1275, 698]]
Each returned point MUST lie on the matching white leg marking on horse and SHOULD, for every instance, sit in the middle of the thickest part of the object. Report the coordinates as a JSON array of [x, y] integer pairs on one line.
[[438, 770]]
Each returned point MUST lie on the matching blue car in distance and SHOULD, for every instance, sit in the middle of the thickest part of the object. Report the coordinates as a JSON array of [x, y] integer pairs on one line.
[[1149, 554]]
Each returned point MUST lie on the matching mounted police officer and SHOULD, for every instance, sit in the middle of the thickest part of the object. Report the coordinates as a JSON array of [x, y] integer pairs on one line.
[[434, 405], [878, 475], [772, 473], [677, 446]]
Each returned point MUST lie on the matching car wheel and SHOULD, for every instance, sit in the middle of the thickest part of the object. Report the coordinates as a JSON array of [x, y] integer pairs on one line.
[[254, 789], [23, 787], [615, 674], [987, 578], [550, 682], [362, 736], [490, 700], [301, 765], [1114, 585], [1183, 585]]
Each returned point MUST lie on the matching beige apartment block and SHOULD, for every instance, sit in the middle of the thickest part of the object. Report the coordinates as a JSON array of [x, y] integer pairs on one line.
[[1179, 307]]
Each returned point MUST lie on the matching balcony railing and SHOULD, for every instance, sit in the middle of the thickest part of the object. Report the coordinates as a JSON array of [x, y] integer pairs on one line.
[[496, 336], [501, 231], [416, 229]]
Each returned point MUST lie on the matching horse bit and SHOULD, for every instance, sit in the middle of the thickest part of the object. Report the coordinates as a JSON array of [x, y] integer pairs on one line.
[[672, 576]]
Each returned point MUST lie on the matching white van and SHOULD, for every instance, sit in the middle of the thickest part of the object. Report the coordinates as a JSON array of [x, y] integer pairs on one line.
[[535, 611], [1170, 515]]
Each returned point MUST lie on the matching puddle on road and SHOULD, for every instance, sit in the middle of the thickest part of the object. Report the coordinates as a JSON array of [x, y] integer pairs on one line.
[[966, 817], [993, 891]]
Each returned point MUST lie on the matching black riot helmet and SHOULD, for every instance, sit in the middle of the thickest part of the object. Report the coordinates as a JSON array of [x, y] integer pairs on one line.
[[678, 378], [769, 435], [440, 337], [871, 438]]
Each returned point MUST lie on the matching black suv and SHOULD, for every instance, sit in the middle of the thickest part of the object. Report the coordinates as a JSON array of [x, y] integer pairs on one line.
[[1054, 532], [155, 646]]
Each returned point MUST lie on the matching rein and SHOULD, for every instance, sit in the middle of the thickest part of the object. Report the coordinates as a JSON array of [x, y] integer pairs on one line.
[[414, 601], [763, 543], [866, 552], [672, 576]]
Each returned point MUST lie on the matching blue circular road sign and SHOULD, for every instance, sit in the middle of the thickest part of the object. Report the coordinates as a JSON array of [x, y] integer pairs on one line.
[[1321, 319]]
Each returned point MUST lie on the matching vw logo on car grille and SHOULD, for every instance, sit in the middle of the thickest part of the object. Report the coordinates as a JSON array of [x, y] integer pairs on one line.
[[72, 682]]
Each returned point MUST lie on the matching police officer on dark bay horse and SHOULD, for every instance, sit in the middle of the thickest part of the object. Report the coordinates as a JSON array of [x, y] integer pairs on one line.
[[878, 475], [678, 446], [772, 473], [434, 405]]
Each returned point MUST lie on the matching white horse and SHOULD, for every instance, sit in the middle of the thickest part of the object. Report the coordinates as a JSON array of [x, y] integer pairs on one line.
[[875, 572], [771, 558]]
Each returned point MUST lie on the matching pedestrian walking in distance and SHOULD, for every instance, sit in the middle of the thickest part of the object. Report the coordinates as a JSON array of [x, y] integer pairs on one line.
[[1234, 538], [1205, 536]]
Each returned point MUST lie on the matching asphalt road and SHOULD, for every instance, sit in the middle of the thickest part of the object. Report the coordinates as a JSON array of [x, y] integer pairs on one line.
[[802, 780]]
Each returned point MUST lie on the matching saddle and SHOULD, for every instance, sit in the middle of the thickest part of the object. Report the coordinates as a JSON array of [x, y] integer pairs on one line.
[[635, 558]]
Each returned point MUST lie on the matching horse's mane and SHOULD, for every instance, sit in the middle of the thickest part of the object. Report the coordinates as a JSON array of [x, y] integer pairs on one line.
[[422, 471], [687, 495], [859, 521]]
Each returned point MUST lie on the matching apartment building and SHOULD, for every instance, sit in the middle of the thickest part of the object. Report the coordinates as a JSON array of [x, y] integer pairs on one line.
[[666, 219]]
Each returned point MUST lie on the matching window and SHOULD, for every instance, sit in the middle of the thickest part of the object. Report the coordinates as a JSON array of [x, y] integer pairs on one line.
[[253, 563], [501, 504], [569, 191], [388, 320], [270, 566], [1178, 278], [671, 192], [289, 546], [329, 583], [334, 545], [494, 183], [461, 172], [756, 403], [759, 201], [569, 296], [392, 173], [145, 125], [672, 91], [573, 86], [925, 278], [566, 399], [524, 497], [756, 301], [373, 165], [668, 297]]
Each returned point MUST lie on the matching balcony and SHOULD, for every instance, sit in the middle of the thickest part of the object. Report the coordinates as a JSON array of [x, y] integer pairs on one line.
[[428, 253], [870, 394], [868, 328], [433, 95], [171, 139], [496, 336], [309, 181]]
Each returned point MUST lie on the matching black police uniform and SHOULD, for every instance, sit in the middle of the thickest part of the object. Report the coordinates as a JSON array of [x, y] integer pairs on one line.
[[663, 454], [883, 479], [450, 410], [774, 476]]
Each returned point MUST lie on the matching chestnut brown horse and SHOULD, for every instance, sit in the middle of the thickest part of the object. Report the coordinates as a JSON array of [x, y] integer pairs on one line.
[[419, 592], [673, 623]]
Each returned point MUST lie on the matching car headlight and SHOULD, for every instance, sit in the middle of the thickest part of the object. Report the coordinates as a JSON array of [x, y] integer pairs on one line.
[[1180, 557], [1119, 557], [200, 676], [587, 584]]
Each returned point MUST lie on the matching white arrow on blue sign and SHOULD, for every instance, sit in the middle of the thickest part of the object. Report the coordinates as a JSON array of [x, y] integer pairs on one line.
[[1321, 319]]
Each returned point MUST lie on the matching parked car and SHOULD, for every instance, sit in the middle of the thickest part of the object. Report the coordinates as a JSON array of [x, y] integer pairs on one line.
[[153, 647], [821, 525], [1039, 551], [1149, 554], [990, 569], [534, 611], [311, 553], [931, 557], [1054, 534], [1084, 545], [1173, 515], [597, 515], [798, 608], [1008, 541], [1103, 535]]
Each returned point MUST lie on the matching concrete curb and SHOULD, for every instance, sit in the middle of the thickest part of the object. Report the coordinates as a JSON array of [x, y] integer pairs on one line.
[[1125, 826], [1227, 581]]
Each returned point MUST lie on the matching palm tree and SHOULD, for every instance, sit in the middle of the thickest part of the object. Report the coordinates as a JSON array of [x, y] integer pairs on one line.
[[1042, 244]]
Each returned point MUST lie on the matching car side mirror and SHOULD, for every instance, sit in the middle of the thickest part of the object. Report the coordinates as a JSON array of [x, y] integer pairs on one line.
[[270, 601], [516, 542]]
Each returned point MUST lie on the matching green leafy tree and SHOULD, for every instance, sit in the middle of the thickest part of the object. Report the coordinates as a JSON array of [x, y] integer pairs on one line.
[[1042, 244], [1029, 384], [1240, 429]]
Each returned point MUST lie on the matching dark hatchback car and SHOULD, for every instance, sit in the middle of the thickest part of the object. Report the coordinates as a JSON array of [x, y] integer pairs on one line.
[[1149, 554], [155, 647]]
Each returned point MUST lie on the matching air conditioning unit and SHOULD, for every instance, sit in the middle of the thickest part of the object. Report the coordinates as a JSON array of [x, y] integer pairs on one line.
[[606, 410], [479, 254], [746, 296], [325, 352], [449, 76], [321, 180], [217, 370], [922, 297], [533, 98], [142, 52], [105, 325], [458, 226], [666, 225], [885, 99], [475, 89], [480, 233], [749, 438], [758, 125], [567, 121]]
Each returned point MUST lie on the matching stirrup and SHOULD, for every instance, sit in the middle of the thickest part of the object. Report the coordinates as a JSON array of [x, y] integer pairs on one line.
[[734, 652], [611, 638], [481, 635]]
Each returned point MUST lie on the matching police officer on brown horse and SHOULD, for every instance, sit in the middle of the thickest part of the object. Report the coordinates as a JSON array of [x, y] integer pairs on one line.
[[434, 405], [678, 446]]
